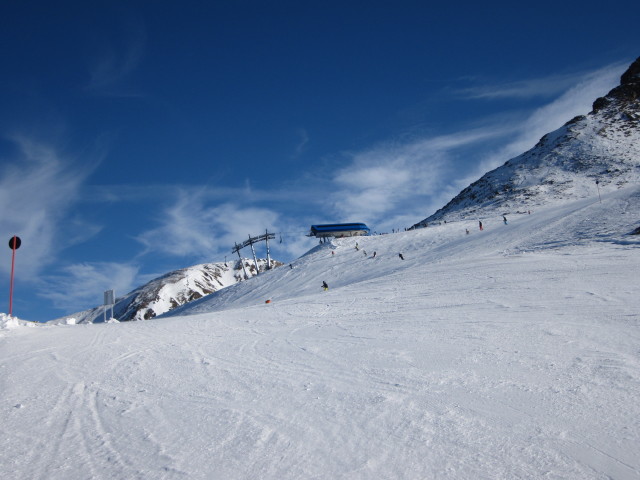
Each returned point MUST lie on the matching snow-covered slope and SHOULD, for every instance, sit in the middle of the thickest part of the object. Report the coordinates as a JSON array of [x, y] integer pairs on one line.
[[603, 147], [501, 354], [564, 224], [171, 290]]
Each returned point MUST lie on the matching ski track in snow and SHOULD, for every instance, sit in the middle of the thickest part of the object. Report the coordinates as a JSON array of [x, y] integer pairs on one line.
[[504, 354]]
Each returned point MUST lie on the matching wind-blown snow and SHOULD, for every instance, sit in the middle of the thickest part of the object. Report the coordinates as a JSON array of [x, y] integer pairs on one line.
[[502, 354]]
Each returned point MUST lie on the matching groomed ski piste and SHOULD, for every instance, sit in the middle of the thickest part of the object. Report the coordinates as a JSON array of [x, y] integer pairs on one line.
[[511, 353]]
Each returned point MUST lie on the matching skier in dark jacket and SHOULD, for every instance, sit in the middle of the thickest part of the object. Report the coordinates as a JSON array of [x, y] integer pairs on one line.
[[401, 257], [325, 286]]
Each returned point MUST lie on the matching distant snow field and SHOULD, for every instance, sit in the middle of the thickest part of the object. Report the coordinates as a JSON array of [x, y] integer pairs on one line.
[[502, 354]]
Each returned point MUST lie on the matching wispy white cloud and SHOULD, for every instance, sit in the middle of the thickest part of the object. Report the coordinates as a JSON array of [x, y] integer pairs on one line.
[[80, 286], [390, 183], [158, 192], [192, 227], [116, 61], [527, 88], [38, 188], [386, 183], [546, 87]]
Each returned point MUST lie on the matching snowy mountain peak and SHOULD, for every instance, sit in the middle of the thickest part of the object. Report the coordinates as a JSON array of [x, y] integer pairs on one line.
[[597, 150], [172, 290]]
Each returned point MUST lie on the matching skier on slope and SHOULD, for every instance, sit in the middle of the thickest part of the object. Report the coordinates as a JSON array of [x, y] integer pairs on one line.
[[504, 219], [325, 286]]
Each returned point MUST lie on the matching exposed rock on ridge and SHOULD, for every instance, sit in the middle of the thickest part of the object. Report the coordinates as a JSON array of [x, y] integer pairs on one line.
[[627, 92]]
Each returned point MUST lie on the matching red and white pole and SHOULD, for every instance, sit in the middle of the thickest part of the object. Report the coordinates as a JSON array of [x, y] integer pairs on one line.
[[14, 244]]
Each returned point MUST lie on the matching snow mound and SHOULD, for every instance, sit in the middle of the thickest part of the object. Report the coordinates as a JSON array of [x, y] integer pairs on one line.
[[8, 322]]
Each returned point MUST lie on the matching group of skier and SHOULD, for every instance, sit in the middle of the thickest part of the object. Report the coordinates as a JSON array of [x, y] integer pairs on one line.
[[325, 286], [504, 220], [357, 247]]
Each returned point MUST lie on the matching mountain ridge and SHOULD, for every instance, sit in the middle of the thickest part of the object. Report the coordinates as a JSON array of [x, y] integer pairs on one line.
[[171, 290], [600, 149]]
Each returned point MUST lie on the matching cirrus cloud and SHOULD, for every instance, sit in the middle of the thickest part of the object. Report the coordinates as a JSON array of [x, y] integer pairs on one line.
[[193, 227], [38, 189]]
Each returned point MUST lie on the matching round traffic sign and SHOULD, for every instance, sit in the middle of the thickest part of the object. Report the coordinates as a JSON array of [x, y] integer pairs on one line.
[[15, 243]]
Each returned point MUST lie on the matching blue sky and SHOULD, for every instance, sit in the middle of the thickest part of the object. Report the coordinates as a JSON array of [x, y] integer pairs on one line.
[[141, 137]]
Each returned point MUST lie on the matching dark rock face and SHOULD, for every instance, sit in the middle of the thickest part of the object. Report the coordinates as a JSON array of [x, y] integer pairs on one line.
[[632, 75], [628, 91]]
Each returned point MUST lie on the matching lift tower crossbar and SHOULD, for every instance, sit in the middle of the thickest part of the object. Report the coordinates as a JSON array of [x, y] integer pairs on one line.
[[260, 238]]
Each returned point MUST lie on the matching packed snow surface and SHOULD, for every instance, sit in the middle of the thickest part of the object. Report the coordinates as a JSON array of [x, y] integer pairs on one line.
[[508, 353]]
